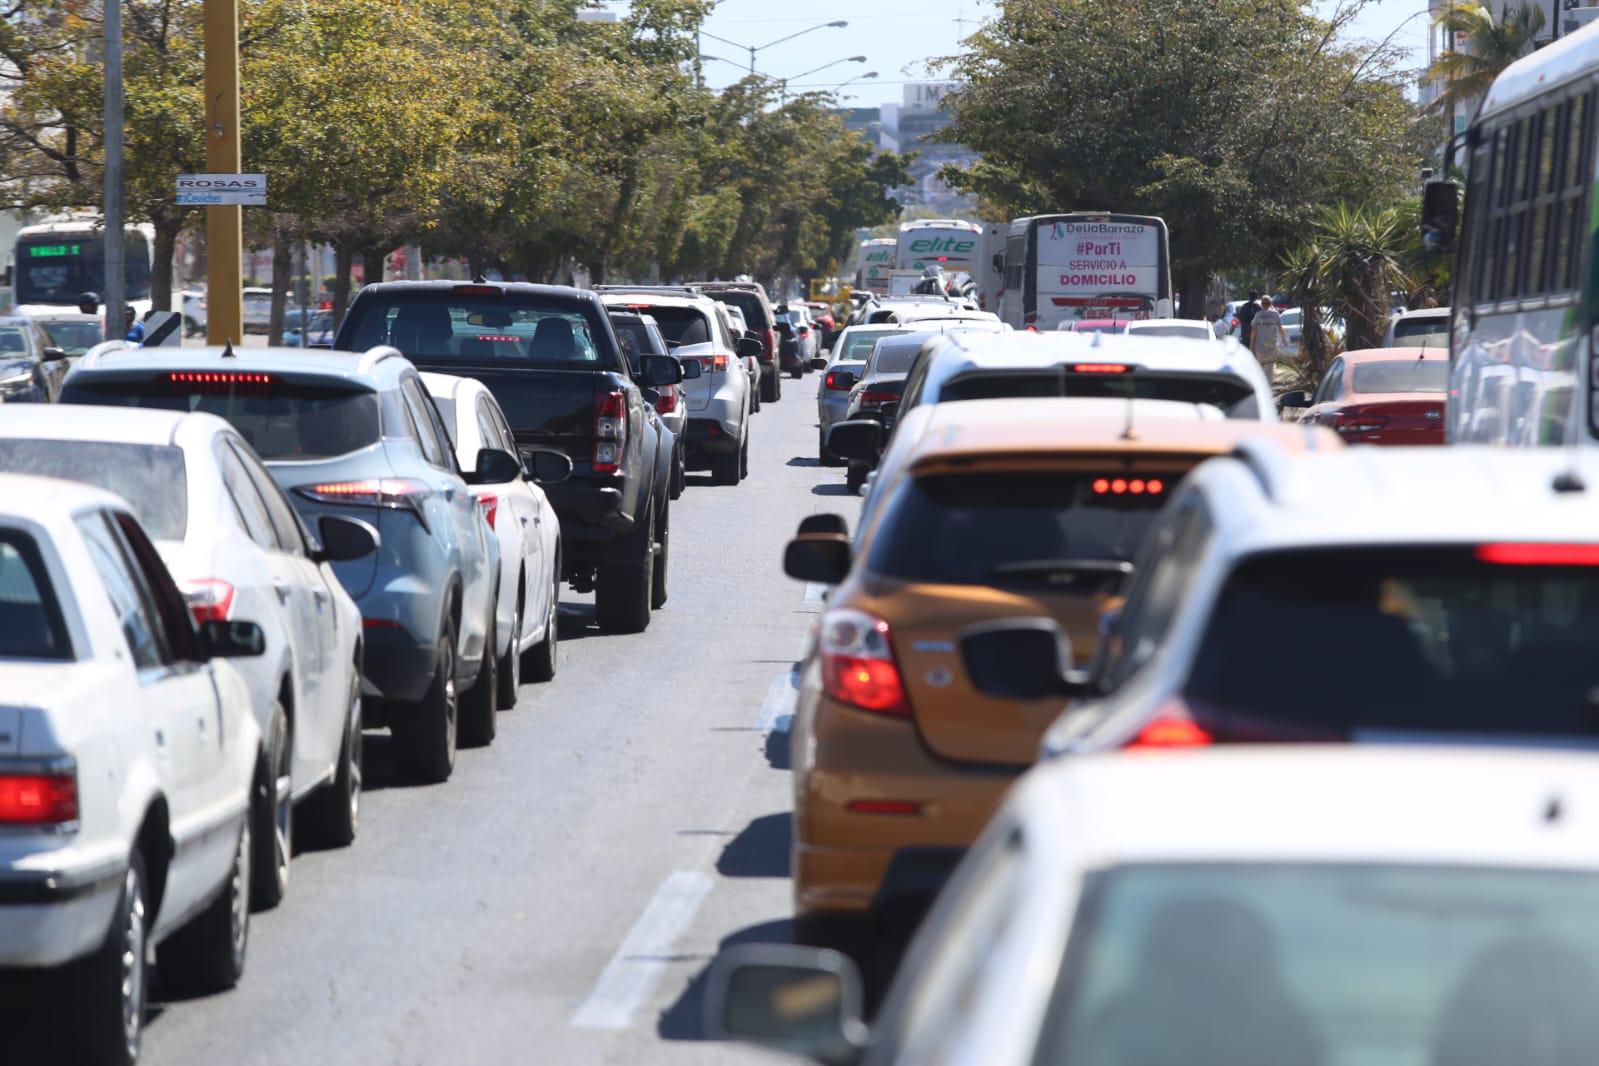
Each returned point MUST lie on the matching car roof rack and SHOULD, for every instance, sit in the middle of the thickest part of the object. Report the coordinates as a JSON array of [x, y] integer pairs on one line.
[[375, 355], [91, 358], [680, 290]]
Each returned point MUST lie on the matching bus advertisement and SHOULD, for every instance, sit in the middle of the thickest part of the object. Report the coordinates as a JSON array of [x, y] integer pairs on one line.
[[1085, 265]]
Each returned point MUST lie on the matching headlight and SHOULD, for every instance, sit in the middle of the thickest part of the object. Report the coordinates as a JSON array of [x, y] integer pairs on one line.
[[13, 382]]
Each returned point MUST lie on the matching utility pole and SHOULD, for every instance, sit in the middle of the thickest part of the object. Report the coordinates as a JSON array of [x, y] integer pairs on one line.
[[224, 225], [115, 241]]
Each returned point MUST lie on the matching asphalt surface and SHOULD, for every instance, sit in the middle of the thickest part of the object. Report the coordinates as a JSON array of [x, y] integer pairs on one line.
[[559, 899]]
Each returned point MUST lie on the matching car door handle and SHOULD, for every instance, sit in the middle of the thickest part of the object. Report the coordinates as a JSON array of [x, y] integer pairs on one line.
[[321, 596], [524, 520], [282, 589]]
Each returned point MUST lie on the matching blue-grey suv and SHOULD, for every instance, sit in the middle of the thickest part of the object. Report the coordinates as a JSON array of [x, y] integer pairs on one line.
[[357, 435]]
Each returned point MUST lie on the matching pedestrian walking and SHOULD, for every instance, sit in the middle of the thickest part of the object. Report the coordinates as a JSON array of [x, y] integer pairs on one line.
[[1246, 320], [1270, 339]]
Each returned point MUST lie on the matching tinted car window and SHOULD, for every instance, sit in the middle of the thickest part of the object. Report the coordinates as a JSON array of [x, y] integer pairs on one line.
[[281, 420], [135, 613], [13, 341], [988, 528], [1229, 392], [753, 308], [1429, 640], [30, 618], [1198, 331], [859, 343], [1001, 386], [682, 325], [1403, 375], [516, 328], [1414, 332], [152, 478], [895, 357], [74, 338]]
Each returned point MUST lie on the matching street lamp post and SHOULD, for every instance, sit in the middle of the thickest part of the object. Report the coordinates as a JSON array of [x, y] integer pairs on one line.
[[224, 225], [116, 241], [753, 48], [783, 90]]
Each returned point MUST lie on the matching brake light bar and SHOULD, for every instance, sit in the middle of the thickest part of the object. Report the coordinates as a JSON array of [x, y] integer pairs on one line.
[[210, 381], [480, 290], [38, 798], [1539, 554], [1098, 368], [1128, 486]]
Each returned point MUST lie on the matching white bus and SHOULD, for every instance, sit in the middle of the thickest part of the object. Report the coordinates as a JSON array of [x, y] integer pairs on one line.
[[57, 261], [876, 264], [952, 245], [1525, 302], [1085, 265]]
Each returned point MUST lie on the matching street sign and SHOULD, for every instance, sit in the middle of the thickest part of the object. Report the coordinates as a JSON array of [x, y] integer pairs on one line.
[[248, 190], [163, 329]]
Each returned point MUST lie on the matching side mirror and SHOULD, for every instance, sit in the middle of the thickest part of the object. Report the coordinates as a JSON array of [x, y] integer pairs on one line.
[[824, 523], [547, 466], [1297, 398], [822, 558], [1019, 659], [859, 440], [54, 355], [750, 348], [659, 371], [494, 467], [804, 1001], [233, 640], [1440, 215], [691, 369], [344, 539], [819, 363]]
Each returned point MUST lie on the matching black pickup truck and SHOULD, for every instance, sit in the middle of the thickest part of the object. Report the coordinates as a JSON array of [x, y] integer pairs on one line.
[[549, 356]]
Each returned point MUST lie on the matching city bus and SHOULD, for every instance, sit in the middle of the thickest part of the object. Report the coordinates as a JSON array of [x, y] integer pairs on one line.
[[950, 244], [1085, 264], [58, 260], [1525, 302], [876, 264]]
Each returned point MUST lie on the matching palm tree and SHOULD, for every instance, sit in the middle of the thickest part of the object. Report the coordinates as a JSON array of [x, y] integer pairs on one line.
[[1351, 263], [1489, 45]]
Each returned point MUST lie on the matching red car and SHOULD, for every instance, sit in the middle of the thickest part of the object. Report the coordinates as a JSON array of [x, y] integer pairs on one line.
[[1380, 396]]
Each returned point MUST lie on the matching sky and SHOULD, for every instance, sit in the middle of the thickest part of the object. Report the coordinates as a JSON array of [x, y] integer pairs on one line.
[[897, 37]]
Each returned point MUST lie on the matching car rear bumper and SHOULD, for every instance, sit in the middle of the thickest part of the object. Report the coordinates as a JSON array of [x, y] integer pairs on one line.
[[579, 504], [51, 917], [712, 436]]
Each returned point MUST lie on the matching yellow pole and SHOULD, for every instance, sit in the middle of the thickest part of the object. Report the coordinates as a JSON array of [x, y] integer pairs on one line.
[[224, 226]]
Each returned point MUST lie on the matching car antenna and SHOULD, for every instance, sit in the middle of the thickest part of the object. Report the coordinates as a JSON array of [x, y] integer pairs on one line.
[[479, 279], [227, 349]]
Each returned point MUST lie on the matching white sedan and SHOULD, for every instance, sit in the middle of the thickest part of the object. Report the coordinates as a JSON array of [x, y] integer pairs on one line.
[[1250, 906], [128, 755], [526, 525], [237, 550]]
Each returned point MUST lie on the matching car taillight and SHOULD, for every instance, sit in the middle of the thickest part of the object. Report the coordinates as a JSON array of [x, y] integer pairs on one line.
[[713, 364], [38, 798], [209, 599], [839, 382], [490, 504], [858, 667], [1099, 368], [769, 343], [395, 493], [871, 398], [610, 432], [666, 401], [1539, 554], [1128, 486], [1355, 423], [1171, 727]]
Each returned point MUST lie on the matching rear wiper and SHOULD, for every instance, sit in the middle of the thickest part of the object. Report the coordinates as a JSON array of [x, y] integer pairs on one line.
[[1063, 568]]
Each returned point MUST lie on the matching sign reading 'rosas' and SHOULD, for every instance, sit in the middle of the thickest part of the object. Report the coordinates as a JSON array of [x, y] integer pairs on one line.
[[248, 190]]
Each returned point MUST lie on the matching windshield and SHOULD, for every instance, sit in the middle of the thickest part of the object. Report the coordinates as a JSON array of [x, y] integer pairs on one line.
[[1402, 375], [30, 619], [997, 528], [858, 344], [152, 478], [74, 338], [1409, 641], [1421, 332], [512, 329], [281, 420], [12, 341], [57, 269], [1331, 964]]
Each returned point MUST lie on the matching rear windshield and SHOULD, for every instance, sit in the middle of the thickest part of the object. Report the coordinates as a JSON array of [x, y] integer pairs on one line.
[[281, 420], [1403, 375], [1400, 641], [1415, 332], [1028, 529], [894, 357], [858, 344], [30, 618], [1334, 964], [682, 325], [1198, 331], [748, 302], [1228, 392], [152, 478], [516, 329]]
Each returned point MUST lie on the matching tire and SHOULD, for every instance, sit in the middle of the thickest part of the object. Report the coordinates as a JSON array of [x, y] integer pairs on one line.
[[724, 468], [272, 816], [799, 371], [855, 478], [663, 535], [622, 590], [207, 955], [481, 703], [772, 387], [509, 669], [333, 815], [540, 664], [679, 473], [827, 458], [744, 458], [427, 735], [100, 1007], [755, 395]]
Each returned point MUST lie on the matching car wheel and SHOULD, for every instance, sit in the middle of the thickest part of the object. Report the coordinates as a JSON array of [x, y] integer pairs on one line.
[[724, 468], [855, 478], [426, 734], [772, 385], [679, 473], [756, 395], [744, 457], [207, 955], [333, 814], [663, 535], [510, 666], [101, 1004], [272, 811], [541, 657], [479, 705], [622, 590], [826, 457]]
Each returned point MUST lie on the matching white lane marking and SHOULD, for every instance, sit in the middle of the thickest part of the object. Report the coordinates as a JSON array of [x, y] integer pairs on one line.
[[638, 966], [815, 592], [781, 695]]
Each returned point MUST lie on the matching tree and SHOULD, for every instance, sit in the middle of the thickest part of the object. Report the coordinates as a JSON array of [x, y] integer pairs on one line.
[[1184, 109], [1350, 263], [1489, 45]]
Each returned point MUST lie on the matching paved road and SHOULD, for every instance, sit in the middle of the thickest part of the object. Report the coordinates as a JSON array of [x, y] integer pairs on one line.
[[559, 899]]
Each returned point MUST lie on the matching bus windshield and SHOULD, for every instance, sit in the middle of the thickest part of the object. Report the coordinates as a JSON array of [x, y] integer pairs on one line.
[[57, 268]]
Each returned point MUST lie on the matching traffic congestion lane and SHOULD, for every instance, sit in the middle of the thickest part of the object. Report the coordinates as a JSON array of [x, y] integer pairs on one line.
[[558, 899]]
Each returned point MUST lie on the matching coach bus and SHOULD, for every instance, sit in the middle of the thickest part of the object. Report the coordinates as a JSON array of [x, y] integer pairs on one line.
[[57, 261], [1525, 303], [1085, 265]]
